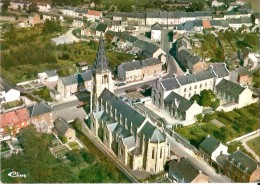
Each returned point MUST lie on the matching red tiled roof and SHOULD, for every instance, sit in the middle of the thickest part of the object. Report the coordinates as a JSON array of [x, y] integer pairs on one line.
[[14, 117], [206, 24], [94, 12]]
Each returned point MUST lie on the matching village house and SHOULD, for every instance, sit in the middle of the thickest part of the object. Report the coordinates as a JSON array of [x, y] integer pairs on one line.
[[210, 149], [69, 85], [215, 3], [68, 10], [48, 76], [11, 122], [233, 93], [41, 116], [8, 95], [80, 13], [82, 66], [43, 7], [94, 15], [239, 167], [182, 171], [78, 22], [242, 76], [181, 109], [115, 26], [139, 70], [34, 18], [19, 4], [139, 18], [63, 128], [156, 33]]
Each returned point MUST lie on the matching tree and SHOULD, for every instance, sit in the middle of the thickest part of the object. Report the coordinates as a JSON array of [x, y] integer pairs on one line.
[[77, 124], [88, 157], [74, 157], [5, 5], [208, 117], [32, 8], [199, 117], [51, 26], [195, 98]]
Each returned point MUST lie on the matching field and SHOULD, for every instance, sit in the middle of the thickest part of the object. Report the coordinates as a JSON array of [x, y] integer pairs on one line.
[[237, 123], [27, 51], [254, 144]]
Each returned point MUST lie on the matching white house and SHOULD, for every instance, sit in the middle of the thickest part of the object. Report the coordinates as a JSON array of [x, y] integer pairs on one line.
[[215, 3], [156, 33], [43, 7], [8, 95], [94, 15], [69, 11], [78, 22], [48, 76]]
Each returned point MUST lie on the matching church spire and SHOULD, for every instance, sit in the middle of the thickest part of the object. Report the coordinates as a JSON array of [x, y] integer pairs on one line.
[[101, 63]]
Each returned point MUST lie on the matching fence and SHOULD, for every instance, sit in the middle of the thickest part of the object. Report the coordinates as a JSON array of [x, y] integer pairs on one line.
[[244, 136]]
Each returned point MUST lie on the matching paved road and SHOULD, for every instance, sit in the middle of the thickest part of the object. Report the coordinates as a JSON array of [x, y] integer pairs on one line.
[[196, 161], [244, 140]]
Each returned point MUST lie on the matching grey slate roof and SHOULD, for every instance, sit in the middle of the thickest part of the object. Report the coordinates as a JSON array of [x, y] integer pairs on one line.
[[170, 83], [129, 66], [182, 103], [129, 142], [230, 87], [82, 77], [51, 73], [150, 62], [39, 109], [69, 80], [136, 152], [243, 71], [61, 125], [204, 75], [147, 47], [152, 133], [121, 131], [123, 108], [156, 26], [183, 170], [244, 160], [209, 145]]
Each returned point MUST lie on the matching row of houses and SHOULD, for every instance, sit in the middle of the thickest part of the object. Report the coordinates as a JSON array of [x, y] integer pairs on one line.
[[238, 166], [24, 5], [176, 18], [200, 25], [139, 70], [39, 114], [91, 15], [173, 94]]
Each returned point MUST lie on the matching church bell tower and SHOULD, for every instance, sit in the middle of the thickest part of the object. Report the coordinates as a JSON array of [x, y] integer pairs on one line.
[[102, 76]]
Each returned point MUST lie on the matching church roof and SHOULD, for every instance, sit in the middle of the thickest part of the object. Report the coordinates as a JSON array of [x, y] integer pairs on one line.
[[101, 59], [152, 133]]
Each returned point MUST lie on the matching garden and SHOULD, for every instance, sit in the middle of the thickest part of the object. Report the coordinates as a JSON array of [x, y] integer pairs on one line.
[[254, 144]]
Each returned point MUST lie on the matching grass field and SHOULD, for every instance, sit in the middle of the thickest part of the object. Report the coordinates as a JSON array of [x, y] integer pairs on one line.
[[237, 123], [254, 144]]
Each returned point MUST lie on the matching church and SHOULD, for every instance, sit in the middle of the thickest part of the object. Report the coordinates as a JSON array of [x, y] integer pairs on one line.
[[134, 138]]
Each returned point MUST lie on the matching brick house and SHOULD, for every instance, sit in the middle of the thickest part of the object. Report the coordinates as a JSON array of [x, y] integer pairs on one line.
[[242, 76], [239, 167], [11, 122], [182, 171], [41, 116]]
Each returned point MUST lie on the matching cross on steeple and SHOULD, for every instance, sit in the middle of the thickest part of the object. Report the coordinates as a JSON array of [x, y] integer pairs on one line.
[[101, 63]]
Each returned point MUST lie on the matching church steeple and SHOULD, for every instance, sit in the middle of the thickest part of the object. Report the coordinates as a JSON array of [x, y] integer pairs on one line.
[[101, 63]]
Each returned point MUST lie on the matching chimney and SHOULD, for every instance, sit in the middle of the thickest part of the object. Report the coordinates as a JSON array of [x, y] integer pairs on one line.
[[200, 172]]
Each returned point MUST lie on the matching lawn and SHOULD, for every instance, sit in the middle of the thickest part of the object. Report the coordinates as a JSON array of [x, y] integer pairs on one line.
[[4, 146], [254, 144], [237, 123], [74, 145]]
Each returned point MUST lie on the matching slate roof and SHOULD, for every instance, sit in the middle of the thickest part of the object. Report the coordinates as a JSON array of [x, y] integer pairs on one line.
[[188, 79], [61, 125], [39, 109], [129, 66], [156, 26], [146, 46], [243, 71], [152, 133], [129, 142], [230, 87], [69, 80], [82, 77], [220, 70], [183, 170], [136, 152], [51, 73], [182, 103], [151, 62], [209, 145], [244, 160], [169, 84], [121, 131], [123, 108], [131, 14]]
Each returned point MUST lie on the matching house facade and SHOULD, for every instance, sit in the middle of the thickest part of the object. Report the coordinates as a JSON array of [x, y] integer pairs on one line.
[[48, 76], [239, 167], [156, 33], [138, 70], [63, 128], [94, 15], [242, 76]]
